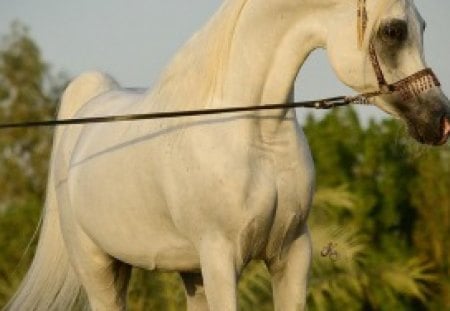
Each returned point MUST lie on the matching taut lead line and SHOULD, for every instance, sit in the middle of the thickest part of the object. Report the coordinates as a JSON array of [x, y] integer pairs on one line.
[[326, 103]]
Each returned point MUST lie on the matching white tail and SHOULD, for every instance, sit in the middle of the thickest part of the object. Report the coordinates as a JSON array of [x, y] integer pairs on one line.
[[51, 282]]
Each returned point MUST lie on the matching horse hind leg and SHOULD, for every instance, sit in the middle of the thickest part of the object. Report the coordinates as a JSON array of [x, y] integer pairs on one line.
[[104, 279], [195, 292]]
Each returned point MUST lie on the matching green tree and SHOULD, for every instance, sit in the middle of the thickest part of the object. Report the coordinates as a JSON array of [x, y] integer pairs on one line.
[[155, 291], [431, 199], [395, 183], [334, 142], [28, 91]]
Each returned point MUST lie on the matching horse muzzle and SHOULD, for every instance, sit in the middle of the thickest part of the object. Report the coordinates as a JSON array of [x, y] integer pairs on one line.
[[427, 118]]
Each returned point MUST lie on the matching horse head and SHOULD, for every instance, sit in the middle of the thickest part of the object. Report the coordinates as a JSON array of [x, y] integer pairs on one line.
[[378, 47]]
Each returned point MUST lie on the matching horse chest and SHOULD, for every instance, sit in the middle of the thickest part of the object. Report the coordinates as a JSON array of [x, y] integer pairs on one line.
[[291, 174], [294, 179]]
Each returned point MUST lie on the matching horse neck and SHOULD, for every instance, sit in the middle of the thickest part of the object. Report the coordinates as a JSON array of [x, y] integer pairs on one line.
[[248, 54], [270, 44], [269, 47]]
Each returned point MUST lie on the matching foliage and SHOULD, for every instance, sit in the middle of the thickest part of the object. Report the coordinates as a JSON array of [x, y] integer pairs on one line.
[[400, 191], [27, 91], [255, 289], [382, 206], [156, 291], [347, 282], [18, 225]]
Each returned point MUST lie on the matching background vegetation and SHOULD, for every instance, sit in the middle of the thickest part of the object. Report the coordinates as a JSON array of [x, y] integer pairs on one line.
[[382, 206]]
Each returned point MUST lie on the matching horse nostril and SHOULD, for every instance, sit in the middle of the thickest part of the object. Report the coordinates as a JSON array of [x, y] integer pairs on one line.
[[445, 130], [446, 126]]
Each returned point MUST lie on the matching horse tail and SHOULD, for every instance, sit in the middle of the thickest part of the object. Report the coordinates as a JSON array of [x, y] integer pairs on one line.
[[51, 282]]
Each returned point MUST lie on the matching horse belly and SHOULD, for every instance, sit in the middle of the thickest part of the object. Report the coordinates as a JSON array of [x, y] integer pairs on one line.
[[140, 235]]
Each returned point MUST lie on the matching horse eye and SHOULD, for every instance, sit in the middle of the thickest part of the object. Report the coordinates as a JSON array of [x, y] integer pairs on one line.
[[394, 32]]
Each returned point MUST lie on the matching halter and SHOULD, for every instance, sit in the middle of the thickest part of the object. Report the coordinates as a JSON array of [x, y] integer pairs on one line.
[[409, 87]]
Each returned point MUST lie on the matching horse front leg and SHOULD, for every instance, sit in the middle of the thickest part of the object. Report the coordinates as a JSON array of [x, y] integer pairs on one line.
[[219, 271], [290, 274]]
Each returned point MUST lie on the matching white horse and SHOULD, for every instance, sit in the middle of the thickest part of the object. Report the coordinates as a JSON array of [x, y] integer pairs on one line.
[[205, 195]]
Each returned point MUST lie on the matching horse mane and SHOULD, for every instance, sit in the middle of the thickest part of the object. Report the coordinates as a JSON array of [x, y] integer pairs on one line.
[[192, 78]]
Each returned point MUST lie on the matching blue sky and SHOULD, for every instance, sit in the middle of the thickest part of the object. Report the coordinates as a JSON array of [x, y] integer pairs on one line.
[[133, 39]]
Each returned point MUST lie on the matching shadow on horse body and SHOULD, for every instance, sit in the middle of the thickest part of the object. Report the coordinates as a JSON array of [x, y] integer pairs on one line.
[[205, 195]]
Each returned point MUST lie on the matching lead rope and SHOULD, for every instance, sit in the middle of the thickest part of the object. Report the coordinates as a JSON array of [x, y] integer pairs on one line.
[[326, 103]]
